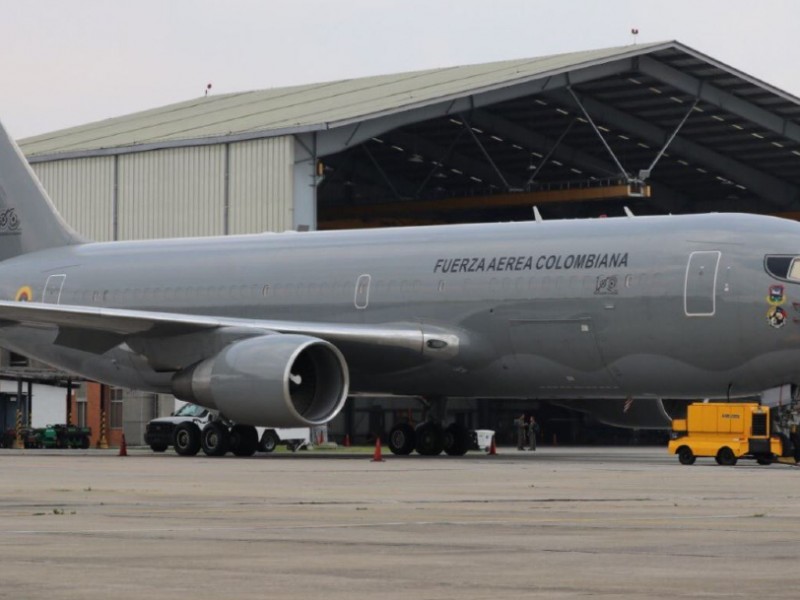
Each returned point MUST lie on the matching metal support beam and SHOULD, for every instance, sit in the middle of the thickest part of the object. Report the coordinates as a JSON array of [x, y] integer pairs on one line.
[[29, 403], [599, 133], [547, 156], [464, 164], [69, 401], [485, 153], [666, 198], [768, 187], [440, 161], [382, 173], [726, 101], [644, 174]]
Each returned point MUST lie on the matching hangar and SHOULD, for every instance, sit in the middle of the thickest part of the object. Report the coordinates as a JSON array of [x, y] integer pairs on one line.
[[654, 127]]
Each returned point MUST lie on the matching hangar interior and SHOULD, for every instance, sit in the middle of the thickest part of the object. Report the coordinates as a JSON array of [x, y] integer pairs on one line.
[[658, 128]]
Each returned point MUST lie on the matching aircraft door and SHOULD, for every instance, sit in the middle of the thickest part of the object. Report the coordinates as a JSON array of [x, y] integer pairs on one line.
[[700, 286], [52, 289]]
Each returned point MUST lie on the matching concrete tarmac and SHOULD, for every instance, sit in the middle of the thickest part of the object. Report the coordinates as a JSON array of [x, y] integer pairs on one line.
[[557, 523]]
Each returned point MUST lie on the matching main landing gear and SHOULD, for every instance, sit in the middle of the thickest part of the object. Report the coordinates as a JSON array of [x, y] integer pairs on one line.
[[429, 439], [215, 439]]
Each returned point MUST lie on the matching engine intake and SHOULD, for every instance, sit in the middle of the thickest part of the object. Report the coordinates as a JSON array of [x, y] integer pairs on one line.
[[271, 380]]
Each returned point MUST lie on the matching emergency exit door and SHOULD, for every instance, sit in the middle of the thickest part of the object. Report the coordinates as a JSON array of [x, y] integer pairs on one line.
[[700, 288]]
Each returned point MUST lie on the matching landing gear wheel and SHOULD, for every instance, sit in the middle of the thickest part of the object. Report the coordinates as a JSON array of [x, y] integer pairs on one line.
[[243, 440], [158, 447], [186, 439], [269, 441], [686, 456], [726, 457], [215, 439], [430, 439], [456, 439], [402, 439]]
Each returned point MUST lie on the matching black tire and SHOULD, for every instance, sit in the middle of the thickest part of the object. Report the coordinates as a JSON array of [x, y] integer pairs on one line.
[[686, 456], [456, 439], [764, 460], [159, 447], [186, 439], [269, 441], [402, 439], [243, 440], [215, 439], [429, 439], [726, 457]]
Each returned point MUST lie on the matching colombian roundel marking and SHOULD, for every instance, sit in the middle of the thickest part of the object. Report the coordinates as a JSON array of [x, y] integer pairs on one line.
[[24, 294]]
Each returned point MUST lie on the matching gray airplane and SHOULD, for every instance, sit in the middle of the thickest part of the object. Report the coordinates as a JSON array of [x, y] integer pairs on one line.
[[278, 329]]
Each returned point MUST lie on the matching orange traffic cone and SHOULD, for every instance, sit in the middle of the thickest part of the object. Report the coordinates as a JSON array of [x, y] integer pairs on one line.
[[377, 456], [492, 448], [346, 440], [123, 447]]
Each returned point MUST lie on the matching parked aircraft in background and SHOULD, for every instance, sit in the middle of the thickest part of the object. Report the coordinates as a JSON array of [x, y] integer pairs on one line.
[[278, 329]]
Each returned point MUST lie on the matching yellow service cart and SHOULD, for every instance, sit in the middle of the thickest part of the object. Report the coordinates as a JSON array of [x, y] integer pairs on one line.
[[728, 432]]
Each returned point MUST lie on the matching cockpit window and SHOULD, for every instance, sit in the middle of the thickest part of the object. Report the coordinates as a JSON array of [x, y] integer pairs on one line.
[[783, 267], [794, 270]]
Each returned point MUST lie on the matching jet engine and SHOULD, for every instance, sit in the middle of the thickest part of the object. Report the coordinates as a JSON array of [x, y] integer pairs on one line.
[[273, 380]]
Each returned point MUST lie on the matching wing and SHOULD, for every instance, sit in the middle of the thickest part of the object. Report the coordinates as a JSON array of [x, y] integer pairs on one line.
[[174, 340]]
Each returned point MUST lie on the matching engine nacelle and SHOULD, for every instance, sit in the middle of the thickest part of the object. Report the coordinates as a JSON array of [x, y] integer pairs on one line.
[[270, 380]]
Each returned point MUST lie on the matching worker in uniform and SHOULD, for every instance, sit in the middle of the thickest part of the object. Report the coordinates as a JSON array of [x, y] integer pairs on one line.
[[520, 426], [533, 430]]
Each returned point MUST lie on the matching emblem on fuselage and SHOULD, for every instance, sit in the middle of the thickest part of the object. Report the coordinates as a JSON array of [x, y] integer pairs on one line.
[[606, 285], [776, 317], [777, 295], [9, 222], [24, 294]]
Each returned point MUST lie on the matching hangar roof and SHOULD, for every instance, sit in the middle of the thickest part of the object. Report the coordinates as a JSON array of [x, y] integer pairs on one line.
[[734, 137], [326, 105], [316, 106]]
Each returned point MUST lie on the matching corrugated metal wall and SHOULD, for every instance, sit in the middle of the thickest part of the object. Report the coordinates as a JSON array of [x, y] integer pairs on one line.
[[261, 185], [177, 192], [83, 191], [172, 193]]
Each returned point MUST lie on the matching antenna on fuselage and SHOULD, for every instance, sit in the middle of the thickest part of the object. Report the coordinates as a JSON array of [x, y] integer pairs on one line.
[[537, 215], [628, 211]]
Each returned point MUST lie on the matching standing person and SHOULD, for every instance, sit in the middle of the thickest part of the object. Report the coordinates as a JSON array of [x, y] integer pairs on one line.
[[533, 430], [519, 424]]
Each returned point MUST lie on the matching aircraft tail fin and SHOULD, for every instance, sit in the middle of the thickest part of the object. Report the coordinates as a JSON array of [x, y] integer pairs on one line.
[[28, 219]]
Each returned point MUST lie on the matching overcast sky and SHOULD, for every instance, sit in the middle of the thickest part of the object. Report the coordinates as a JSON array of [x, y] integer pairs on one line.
[[69, 62]]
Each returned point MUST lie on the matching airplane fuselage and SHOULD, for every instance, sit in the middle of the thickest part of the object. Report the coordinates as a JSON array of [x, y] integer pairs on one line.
[[645, 307]]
